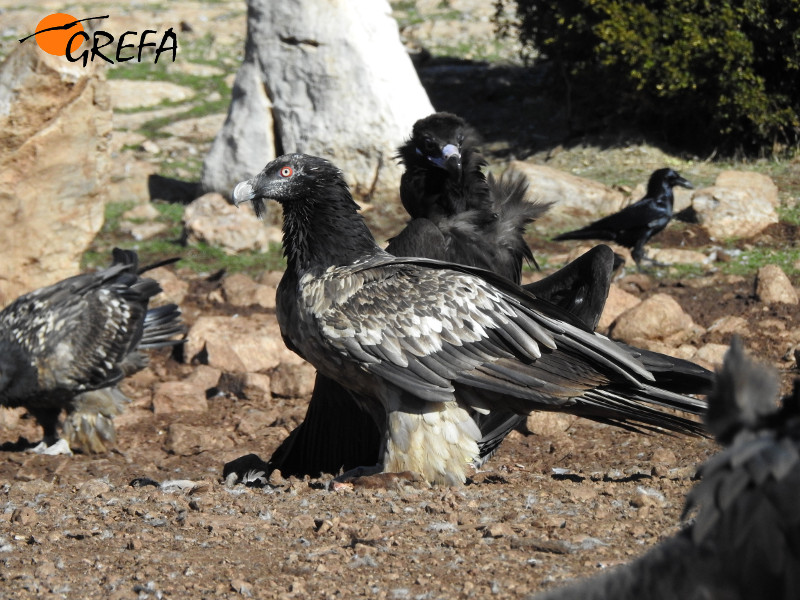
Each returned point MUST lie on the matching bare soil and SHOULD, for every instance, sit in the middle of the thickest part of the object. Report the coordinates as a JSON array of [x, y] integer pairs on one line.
[[546, 508]]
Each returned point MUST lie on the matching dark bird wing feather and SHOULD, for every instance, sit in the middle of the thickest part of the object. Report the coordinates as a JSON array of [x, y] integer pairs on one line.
[[457, 318], [79, 335], [744, 540]]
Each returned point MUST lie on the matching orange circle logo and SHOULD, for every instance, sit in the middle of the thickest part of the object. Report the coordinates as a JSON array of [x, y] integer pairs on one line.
[[54, 32]]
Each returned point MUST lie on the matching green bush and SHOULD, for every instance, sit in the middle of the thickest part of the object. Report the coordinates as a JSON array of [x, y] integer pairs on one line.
[[710, 74]]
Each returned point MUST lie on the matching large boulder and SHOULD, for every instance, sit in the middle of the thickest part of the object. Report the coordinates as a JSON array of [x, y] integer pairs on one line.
[[215, 221], [739, 205], [55, 129], [576, 200], [324, 77]]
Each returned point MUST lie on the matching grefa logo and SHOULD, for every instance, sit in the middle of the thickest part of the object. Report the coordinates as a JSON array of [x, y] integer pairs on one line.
[[61, 34]]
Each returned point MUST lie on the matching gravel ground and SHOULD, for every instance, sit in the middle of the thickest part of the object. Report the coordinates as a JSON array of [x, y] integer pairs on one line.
[[156, 520]]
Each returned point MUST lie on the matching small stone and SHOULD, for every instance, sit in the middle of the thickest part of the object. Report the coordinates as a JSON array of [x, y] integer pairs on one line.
[[134, 544], [24, 516], [664, 455], [302, 523], [618, 302], [240, 586], [293, 380], [238, 344], [94, 488], [658, 317], [648, 497], [276, 478], [145, 211], [678, 256], [204, 377], [213, 220], [549, 424], [179, 396], [142, 231], [711, 355], [173, 288], [498, 530], [45, 569], [241, 290], [730, 324], [150, 147], [255, 420], [774, 287]]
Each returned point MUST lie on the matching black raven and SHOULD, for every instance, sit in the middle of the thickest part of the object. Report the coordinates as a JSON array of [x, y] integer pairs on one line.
[[65, 346], [428, 344], [634, 225], [744, 541]]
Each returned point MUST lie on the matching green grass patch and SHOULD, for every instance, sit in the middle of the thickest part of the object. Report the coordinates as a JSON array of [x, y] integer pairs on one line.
[[113, 215], [201, 257], [204, 258], [790, 212], [749, 261], [406, 14], [683, 271]]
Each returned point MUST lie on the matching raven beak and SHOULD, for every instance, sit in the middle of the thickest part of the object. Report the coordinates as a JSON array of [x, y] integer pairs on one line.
[[450, 160], [683, 183]]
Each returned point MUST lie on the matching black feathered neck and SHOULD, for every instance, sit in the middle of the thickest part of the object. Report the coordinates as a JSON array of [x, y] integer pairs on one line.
[[321, 223]]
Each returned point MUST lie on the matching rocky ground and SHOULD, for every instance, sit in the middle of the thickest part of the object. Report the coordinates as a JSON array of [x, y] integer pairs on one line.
[[564, 498]]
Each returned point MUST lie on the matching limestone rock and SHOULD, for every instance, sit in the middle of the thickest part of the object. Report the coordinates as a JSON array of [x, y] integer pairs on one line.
[[241, 290], [659, 317], [133, 93], [549, 424], [213, 220], [738, 205], [238, 344], [257, 386], [177, 396], [142, 231], [333, 78], [293, 380], [56, 121], [677, 256], [255, 421], [773, 286], [711, 355], [576, 200], [730, 324], [201, 128], [617, 303], [253, 386], [173, 288], [204, 377]]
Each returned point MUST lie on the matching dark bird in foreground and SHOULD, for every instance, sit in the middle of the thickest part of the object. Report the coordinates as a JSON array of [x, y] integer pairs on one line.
[[66, 346], [634, 225], [458, 215], [436, 343], [744, 541]]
